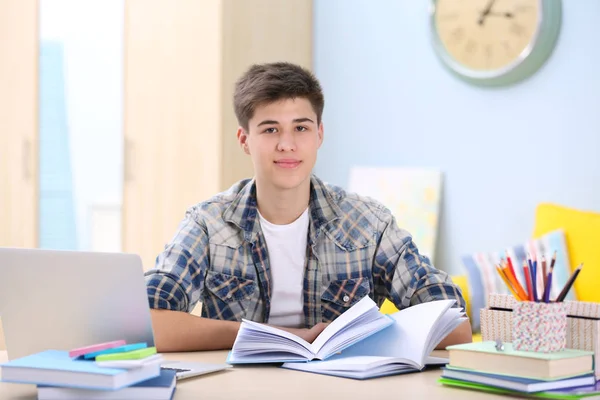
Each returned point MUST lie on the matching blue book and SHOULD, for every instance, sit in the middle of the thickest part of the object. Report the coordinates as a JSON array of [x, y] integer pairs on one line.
[[260, 343], [159, 388], [56, 368]]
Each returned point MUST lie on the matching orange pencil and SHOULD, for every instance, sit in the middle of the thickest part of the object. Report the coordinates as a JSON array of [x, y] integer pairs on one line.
[[507, 282], [515, 282]]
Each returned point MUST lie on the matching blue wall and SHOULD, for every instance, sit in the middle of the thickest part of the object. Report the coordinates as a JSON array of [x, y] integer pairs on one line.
[[389, 102]]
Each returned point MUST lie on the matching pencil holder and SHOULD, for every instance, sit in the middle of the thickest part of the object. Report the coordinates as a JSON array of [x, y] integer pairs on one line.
[[539, 327]]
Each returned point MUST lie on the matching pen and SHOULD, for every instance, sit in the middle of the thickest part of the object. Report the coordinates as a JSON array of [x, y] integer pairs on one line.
[[569, 284]]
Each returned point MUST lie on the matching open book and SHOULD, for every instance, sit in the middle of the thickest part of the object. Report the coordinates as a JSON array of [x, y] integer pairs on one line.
[[259, 343], [404, 347]]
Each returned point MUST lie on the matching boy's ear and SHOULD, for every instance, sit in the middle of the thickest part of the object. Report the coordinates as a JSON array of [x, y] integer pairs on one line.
[[320, 133], [242, 137]]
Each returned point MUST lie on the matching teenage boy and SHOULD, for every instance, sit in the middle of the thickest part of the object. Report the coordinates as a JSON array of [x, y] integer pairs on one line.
[[284, 248]]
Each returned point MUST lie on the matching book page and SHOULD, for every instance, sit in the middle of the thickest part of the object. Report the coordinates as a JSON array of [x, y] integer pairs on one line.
[[354, 312], [255, 339], [407, 338]]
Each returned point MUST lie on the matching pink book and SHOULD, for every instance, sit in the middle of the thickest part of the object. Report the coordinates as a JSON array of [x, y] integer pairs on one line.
[[95, 347]]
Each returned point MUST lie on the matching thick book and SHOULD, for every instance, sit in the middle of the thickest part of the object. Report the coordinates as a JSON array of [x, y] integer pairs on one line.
[[56, 368], [160, 388], [484, 357], [404, 347], [519, 384], [260, 343]]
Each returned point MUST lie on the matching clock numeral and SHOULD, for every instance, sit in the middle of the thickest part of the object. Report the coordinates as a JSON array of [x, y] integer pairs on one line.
[[517, 29], [457, 34], [488, 51], [471, 47]]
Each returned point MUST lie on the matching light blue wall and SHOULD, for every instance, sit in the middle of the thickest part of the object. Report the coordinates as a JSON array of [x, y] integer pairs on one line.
[[389, 102]]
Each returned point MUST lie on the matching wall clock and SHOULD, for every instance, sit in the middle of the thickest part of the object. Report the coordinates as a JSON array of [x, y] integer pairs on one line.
[[495, 42]]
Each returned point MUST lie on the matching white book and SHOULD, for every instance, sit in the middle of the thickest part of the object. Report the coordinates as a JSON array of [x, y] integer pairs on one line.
[[260, 343], [404, 347]]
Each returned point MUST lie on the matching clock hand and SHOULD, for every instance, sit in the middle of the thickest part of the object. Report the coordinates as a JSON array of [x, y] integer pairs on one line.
[[486, 11], [501, 14]]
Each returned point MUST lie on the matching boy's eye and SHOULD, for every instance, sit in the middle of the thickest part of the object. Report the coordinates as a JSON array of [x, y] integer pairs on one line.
[[301, 128], [270, 130]]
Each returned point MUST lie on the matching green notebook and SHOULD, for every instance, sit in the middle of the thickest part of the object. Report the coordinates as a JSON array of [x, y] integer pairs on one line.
[[129, 355], [484, 357], [490, 347], [540, 395]]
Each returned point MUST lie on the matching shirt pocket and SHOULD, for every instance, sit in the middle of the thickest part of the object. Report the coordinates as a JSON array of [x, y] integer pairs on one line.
[[342, 294], [227, 297]]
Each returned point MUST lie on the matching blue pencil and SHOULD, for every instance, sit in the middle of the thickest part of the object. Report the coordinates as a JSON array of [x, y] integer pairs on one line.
[[532, 268]]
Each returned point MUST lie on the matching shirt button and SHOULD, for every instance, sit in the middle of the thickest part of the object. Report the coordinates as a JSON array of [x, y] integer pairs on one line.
[[346, 298]]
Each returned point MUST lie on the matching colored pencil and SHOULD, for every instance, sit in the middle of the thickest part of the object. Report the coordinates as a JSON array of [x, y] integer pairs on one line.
[[544, 274], [507, 282], [522, 295], [548, 288], [569, 284], [510, 264], [528, 280]]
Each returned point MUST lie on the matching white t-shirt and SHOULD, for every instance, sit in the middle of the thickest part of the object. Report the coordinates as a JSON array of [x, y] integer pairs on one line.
[[286, 245]]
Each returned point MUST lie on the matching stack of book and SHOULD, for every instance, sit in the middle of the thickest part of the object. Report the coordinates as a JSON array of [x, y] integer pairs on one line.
[[496, 367], [101, 371]]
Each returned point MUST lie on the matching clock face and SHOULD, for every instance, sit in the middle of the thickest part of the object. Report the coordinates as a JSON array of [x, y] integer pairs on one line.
[[487, 35]]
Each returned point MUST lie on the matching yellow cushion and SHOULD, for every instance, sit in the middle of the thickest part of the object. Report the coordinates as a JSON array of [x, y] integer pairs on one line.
[[582, 230], [460, 280]]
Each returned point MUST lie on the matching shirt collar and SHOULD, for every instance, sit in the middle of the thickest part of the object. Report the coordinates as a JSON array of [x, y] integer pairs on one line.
[[243, 210]]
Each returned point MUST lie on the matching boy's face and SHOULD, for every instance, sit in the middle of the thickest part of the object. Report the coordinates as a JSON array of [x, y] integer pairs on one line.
[[282, 139]]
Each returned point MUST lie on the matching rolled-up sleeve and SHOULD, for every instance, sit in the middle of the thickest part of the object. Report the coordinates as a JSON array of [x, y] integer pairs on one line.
[[177, 280], [403, 275]]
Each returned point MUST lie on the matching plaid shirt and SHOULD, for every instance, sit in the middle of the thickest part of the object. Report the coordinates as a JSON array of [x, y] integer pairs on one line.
[[219, 257]]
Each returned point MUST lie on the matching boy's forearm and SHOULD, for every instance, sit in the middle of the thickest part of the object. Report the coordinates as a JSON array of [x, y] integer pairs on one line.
[[176, 331], [462, 334]]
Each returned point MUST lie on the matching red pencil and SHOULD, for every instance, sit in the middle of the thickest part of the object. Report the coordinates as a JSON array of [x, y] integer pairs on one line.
[[510, 264], [528, 280]]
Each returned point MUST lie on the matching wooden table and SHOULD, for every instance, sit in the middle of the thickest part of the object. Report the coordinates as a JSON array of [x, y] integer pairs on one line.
[[269, 382]]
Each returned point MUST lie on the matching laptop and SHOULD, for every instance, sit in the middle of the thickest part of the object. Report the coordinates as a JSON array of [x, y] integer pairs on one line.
[[51, 299]]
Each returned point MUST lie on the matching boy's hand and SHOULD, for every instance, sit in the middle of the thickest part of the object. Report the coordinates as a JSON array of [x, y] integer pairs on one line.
[[307, 334]]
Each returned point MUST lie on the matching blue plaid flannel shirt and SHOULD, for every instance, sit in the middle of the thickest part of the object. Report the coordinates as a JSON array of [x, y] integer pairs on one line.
[[355, 249]]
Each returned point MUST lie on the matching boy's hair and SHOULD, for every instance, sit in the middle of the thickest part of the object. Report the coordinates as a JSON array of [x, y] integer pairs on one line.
[[267, 83]]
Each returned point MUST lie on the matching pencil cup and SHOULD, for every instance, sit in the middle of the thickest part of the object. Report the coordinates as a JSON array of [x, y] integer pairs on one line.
[[539, 327]]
